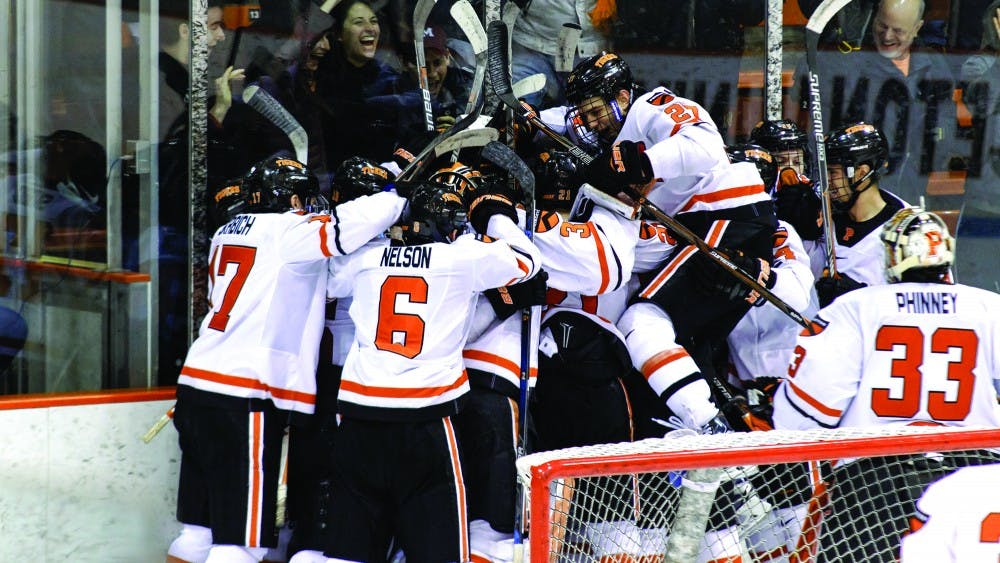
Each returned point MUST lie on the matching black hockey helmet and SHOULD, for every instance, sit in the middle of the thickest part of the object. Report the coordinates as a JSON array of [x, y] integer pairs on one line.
[[358, 176], [464, 179], [851, 146], [557, 180], [759, 157], [602, 75], [228, 202], [437, 214], [270, 184], [778, 135]]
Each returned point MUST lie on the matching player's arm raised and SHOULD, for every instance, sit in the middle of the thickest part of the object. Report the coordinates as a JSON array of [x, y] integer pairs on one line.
[[347, 228], [512, 258]]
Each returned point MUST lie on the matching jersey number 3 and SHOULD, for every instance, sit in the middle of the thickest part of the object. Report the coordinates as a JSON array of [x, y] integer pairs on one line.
[[243, 257], [408, 326], [907, 369]]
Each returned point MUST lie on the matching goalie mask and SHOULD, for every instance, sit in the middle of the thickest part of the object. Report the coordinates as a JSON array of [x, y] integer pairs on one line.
[[785, 140], [918, 247], [851, 146], [593, 90], [271, 183], [437, 214], [358, 176], [759, 157], [463, 179]]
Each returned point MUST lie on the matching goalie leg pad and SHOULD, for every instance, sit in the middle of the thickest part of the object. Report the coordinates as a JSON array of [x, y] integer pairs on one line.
[[192, 545]]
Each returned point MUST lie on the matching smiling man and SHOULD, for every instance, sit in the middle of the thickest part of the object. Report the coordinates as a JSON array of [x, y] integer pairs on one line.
[[896, 25]]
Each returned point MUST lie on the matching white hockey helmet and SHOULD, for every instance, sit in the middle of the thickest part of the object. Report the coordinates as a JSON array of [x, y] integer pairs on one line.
[[913, 239]]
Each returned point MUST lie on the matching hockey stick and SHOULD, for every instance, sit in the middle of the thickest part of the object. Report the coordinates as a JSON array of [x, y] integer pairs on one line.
[[467, 139], [501, 86], [465, 16], [824, 12], [569, 36], [528, 85], [273, 111], [503, 156], [158, 425], [421, 11], [423, 159]]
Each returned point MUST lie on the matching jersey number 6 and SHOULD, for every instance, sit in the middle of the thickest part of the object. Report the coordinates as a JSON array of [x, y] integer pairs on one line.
[[391, 322]]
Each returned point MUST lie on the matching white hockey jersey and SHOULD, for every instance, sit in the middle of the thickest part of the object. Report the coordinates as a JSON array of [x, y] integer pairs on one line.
[[267, 286], [692, 170], [859, 249], [897, 354], [412, 311], [589, 265], [958, 519], [761, 344]]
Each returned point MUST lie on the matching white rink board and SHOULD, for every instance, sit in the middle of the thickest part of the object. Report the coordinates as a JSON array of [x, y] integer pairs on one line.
[[78, 484]]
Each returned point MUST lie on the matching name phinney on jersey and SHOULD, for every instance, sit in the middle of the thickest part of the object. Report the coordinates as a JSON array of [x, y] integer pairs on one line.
[[927, 302]]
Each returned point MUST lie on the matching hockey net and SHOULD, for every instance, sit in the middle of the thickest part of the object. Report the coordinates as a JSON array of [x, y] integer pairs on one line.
[[796, 496]]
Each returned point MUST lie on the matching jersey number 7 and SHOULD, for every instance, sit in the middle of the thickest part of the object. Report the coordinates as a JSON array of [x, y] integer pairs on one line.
[[243, 257]]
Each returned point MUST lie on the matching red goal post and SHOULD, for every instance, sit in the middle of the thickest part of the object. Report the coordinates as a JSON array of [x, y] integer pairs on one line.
[[763, 496]]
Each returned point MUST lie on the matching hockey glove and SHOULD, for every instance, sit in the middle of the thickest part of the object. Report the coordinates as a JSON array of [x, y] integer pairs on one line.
[[623, 165], [498, 200], [403, 189], [714, 279], [509, 299], [718, 425], [797, 204], [829, 287], [746, 418]]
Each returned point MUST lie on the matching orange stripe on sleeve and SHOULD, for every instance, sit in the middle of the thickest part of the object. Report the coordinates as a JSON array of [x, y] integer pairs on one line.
[[322, 242], [661, 359], [602, 259], [813, 402], [721, 195]]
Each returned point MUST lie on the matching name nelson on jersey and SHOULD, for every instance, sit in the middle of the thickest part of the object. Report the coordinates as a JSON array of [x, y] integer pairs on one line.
[[240, 225], [406, 257], [927, 302]]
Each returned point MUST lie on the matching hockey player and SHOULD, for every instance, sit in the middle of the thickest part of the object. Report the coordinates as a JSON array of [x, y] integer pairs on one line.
[[396, 458], [855, 159], [795, 199], [919, 350], [957, 519], [669, 147], [254, 361], [310, 445]]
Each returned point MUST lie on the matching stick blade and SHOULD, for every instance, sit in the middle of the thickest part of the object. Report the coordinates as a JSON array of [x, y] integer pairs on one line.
[[505, 157], [468, 138], [824, 12], [497, 65], [466, 17]]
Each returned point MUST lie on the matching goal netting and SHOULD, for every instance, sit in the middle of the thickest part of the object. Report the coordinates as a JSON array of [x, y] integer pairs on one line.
[[796, 496]]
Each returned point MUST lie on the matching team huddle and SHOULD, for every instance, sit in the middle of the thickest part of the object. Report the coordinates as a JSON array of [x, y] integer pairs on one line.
[[372, 351]]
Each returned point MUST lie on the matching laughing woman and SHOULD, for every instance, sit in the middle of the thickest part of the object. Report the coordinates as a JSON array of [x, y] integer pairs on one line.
[[350, 77]]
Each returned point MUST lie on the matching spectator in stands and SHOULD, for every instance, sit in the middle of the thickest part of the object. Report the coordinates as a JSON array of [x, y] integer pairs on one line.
[[850, 26], [449, 87], [349, 76], [979, 224], [906, 92], [535, 46]]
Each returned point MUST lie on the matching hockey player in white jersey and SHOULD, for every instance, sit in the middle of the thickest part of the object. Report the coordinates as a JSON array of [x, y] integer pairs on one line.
[[856, 156], [311, 438], [254, 361], [957, 519], [919, 350], [397, 463], [669, 147]]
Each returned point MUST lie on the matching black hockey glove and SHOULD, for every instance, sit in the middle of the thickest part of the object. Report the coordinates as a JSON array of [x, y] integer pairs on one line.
[[745, 418], [557, 171], [718, 425], [403, 189], [509, 299], [797, 204], [497, 200], [714, 279], [829, 288], [623, 165]]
